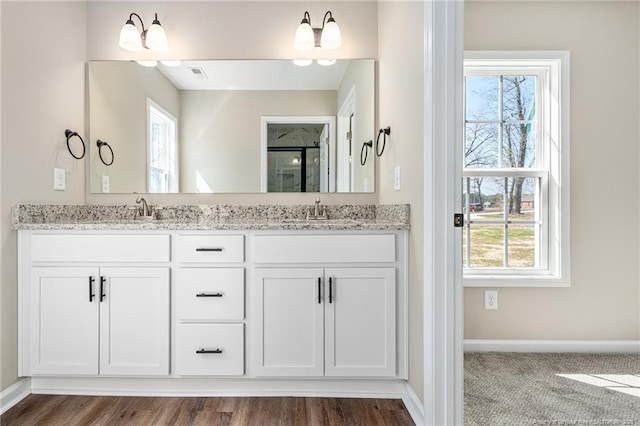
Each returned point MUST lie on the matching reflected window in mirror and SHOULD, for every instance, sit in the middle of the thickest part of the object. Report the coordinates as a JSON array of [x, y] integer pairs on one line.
[[162, 142]]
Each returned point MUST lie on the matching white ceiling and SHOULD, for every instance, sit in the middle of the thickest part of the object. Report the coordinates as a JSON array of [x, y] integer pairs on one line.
[[256, 75]]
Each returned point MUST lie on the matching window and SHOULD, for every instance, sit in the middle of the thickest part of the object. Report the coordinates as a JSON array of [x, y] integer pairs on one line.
[[516, 169], [162, 147]]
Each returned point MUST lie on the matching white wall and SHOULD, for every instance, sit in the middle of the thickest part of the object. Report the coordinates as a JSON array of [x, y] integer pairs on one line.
[[118, 93], [43, 94], [401, 106], [228, 121], [603, 300]]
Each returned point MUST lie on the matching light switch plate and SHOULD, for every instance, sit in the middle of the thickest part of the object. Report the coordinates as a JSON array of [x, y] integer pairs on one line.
[[59, 178], [396, 178], [105, 184]]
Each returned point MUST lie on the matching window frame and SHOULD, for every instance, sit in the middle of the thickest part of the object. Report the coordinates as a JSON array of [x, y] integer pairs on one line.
[[173, 183], [552, 70]]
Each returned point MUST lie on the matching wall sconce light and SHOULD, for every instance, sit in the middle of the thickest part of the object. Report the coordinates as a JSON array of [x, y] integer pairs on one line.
[[327, 37], [153, 38]]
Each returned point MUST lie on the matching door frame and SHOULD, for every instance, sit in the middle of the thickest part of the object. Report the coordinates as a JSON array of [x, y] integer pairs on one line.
[[443, 292], [313, 119]]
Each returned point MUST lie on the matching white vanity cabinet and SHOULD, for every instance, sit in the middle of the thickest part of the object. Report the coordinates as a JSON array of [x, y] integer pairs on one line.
[[209, 304], [335, 319], [212, 307], [84, 318]]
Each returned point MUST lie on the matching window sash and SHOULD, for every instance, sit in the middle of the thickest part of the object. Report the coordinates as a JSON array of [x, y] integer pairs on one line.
[[165, 164], [540, 223], [540, 171]]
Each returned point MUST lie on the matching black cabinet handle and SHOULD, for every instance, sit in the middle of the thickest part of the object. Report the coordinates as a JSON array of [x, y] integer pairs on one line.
[[103, 280], [210, 249], [330, 291], [209, 295], [91, 293], [319, 290], [205, 351]]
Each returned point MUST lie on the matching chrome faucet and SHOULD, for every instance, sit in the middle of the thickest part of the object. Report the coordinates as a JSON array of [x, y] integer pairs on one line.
[[144, 211], [316, 212]]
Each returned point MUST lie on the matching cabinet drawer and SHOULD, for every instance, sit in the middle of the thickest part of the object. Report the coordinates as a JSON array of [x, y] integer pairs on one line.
[[324, 248], [210, 248], [210, 294], [210, 350], [100, 248]]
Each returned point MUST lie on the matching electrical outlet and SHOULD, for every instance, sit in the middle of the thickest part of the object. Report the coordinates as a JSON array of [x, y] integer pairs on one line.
[[59, 177], [396, 178], [105, 184], [490, 300]]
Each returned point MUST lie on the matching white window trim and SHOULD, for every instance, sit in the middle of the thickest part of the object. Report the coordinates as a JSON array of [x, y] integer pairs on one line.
[[158, 107], [559, 271]]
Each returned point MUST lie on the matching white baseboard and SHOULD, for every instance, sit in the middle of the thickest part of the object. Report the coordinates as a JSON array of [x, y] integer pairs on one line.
[[184, 387], [579, 346], [14, 394], [413, 404]]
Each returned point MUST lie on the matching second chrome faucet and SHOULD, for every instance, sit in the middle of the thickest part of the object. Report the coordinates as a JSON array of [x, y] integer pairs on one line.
[[316, 212], [144, 211]]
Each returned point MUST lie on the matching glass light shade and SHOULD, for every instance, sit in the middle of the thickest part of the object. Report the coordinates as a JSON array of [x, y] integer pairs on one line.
[[130, 37], [331, 36], [157, 38], [326, 62], [304, 39], [302, 62], [148, 63]]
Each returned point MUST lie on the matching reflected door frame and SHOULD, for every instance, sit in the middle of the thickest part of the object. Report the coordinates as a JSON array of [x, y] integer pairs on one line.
[[302, 119], [345, 137]]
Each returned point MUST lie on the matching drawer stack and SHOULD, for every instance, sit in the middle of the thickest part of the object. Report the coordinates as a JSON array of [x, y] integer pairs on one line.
[[210, 305]]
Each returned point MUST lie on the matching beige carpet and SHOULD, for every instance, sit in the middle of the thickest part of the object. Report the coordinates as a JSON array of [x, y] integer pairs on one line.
[[551, 389]]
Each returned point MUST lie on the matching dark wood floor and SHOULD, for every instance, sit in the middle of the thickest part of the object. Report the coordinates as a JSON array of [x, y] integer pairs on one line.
[[113, 410]]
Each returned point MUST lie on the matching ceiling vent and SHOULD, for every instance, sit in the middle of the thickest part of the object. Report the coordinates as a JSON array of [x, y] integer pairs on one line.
[[198, 73]]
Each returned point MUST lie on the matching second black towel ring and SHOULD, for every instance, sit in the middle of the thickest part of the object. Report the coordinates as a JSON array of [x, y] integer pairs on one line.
[[100, 145], [364, 152], [386, 131], [69, 134]]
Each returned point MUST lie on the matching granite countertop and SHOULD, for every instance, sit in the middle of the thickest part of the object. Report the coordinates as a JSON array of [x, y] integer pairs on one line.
[[210, 217]]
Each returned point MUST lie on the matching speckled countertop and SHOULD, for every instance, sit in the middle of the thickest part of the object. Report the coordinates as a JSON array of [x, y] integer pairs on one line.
[[210, 217]]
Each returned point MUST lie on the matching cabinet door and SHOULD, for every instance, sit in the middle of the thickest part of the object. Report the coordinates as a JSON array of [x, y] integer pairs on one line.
[[288, 322], [134, 321], [360, 329], [63, 319]]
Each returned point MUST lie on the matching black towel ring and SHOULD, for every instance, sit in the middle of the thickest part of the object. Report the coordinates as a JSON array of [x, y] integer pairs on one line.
[[365, 151], [100, 145], [386, 131], [69, 134]]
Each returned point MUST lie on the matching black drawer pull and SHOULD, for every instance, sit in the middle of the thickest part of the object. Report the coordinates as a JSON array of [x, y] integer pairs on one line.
[[103, 281], [209, 295], [210, 249], [319, 290], [205, 351], [91, 293]]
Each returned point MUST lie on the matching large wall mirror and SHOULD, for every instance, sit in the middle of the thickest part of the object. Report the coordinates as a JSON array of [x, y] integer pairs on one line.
[[239, 126]]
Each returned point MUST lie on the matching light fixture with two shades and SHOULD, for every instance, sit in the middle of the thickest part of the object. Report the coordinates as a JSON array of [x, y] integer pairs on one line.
[[153, 38], [327, 37]]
